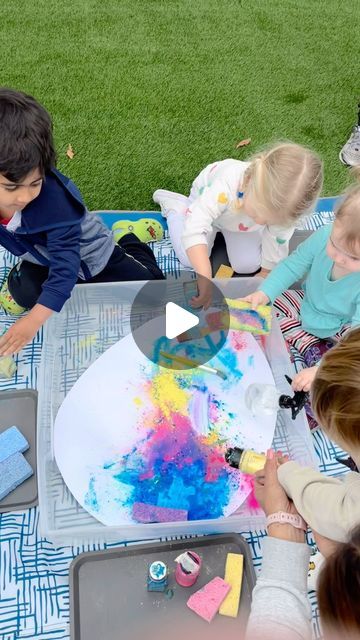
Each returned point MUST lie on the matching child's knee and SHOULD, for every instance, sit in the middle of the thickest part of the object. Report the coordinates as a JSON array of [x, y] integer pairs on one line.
[[239, 265], [25, 289]]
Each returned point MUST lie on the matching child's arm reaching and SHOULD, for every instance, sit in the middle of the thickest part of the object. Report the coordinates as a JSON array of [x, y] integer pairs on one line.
[[202, 213], [291, 269], [198, 256], [329, 505], [64, 251], [198, 226], [23, 330]]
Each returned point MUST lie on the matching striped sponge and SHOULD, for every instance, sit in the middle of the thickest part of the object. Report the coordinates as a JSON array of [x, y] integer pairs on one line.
[[241, 317], [233, 576], [206, 601]]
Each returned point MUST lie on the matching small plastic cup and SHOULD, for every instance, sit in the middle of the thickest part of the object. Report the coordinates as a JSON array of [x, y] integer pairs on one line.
[[188, 579]]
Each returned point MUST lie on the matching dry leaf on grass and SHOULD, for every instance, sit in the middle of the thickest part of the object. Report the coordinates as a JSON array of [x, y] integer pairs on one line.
[[70, 152], [243, 143]]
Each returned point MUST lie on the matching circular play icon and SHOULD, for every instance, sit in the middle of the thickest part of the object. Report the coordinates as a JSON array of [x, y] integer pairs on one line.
[[180, 323]]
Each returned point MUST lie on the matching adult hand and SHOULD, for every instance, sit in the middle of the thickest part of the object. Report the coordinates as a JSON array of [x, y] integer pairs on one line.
[[268, 490], [256, 299], [304, 379], [272, 498]]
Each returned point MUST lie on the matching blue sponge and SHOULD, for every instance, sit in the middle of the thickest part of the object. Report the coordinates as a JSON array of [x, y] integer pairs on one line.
[[13, 471], [12, 441]]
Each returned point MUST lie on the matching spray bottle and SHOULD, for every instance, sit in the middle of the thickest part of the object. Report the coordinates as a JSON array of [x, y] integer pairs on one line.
[[245, 460], [264, 399]]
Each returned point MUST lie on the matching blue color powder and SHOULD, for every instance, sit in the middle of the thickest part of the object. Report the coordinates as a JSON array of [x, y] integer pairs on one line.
[[91, 497], [179, 484]]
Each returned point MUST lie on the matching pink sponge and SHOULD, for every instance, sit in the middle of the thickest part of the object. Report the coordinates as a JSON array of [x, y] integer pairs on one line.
[[152, 513], [206, 602]]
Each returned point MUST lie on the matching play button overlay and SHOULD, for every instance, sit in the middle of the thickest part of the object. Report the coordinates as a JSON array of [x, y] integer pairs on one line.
[[168, 328], [178, 320]]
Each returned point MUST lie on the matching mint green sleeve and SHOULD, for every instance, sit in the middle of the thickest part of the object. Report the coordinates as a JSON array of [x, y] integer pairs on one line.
[[355, 322], [293, 267]]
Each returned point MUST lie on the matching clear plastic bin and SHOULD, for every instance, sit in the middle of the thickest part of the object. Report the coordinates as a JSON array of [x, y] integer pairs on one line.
[[97, 316]]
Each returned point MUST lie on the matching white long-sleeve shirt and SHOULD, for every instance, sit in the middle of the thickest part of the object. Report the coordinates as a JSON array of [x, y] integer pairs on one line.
[[214, 196]]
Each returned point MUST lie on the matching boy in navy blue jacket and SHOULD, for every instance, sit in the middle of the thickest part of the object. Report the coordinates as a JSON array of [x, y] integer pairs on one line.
[[43, 220]]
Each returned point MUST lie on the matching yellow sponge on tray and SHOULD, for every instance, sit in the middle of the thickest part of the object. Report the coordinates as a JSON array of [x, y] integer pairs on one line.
[[234, 568]]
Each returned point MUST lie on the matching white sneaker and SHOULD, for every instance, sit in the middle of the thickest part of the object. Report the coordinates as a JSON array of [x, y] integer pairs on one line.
[[350, 153], [170, 201]]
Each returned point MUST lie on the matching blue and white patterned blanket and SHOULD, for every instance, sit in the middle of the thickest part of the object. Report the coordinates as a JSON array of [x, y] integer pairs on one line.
[[34, 584]]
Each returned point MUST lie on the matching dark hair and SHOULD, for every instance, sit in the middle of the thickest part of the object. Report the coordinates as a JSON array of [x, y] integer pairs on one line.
[[26, 139], [338, 590]]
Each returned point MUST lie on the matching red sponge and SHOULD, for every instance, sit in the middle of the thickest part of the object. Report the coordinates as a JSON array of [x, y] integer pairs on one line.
[[206, 602]]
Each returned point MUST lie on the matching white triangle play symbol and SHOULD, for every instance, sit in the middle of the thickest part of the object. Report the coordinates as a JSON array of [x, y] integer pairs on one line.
[[178, 320]]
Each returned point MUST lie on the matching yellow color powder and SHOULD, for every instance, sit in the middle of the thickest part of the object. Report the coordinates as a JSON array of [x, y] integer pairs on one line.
[[212, 438], [166, 394], [88, 341]]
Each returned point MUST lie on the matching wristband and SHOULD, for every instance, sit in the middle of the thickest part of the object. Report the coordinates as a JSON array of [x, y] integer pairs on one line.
[[281, 517]]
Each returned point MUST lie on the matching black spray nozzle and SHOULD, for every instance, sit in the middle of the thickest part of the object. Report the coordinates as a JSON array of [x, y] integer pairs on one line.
[[295, 402], [233, 455]]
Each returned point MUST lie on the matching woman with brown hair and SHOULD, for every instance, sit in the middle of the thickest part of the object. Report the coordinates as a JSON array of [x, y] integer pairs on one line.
[[338, 590], [280, 608]]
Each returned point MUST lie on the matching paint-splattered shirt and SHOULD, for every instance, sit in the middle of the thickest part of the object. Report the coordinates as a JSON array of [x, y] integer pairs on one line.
[[214, 201]]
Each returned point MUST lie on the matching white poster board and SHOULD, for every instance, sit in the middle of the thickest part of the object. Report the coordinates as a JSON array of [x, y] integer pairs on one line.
[[132, 432]]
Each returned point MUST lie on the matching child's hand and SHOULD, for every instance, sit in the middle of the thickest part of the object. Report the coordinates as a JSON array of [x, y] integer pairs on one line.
[[23, 331], [205, 294], [256, 299], [19, 334], [303, 380]]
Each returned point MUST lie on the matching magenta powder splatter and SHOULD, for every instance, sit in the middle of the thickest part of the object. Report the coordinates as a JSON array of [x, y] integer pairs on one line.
[[176, 468]]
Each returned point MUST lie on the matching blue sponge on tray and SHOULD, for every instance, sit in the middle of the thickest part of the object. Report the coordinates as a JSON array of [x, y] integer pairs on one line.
[[12, 441], [13, 471]]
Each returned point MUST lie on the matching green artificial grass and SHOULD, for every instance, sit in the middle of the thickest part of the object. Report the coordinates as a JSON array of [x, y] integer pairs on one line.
[[149, 91]]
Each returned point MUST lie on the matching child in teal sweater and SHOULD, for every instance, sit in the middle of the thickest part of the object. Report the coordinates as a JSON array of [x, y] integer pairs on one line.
[[329, 303]]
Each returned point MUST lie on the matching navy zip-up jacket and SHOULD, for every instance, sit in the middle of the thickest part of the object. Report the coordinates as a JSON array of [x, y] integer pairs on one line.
[[58, 232]]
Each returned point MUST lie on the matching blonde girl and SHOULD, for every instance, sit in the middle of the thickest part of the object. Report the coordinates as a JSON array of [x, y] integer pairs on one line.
[[330, 301], [254, 204]]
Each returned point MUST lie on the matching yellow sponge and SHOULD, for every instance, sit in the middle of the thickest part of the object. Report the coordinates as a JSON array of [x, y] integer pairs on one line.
[[233, 576], [224, 272]]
